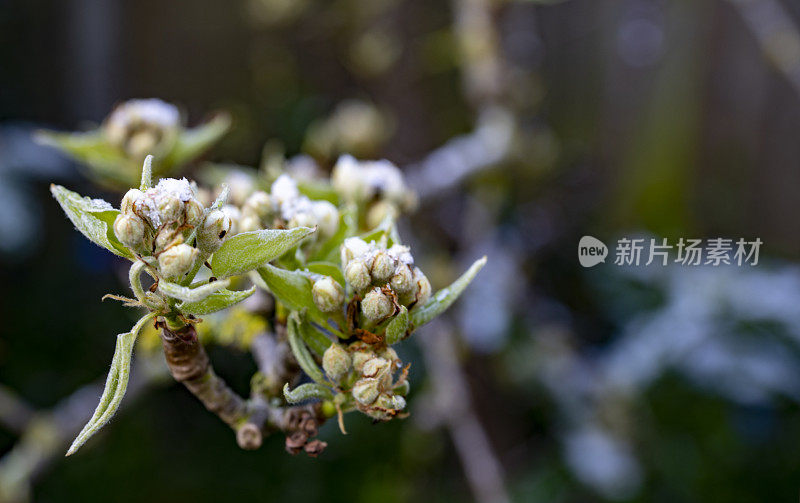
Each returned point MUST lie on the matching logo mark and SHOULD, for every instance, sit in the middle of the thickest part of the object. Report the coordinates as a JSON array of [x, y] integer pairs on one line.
[[591, 251]]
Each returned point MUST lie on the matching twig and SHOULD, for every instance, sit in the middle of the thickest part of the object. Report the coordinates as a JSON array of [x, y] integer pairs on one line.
[[452, 398]]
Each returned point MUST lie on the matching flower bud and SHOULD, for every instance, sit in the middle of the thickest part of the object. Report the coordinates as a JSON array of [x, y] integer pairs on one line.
[[258, 204], [169, 208], [130, 198], [423, 287], [176, 261], [390, 355], [194, 212], [353, 248], [167, 236], [336, 362], [376, 305], [357, 275], [402, 281], [302, 219], [129, 229], [383, 267], [213, 231], [361, 354], [378, 211], [398, 402], [348, 180], [249, 223], [141, 143], [328, 295], [235, 216], [327, 217], [365, 391]]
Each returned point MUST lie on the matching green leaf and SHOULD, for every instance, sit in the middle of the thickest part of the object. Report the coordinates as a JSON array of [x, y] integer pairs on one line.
[[250, 250], [291, 288], [147, 174], [445, 297], [396, 330], [300, 351], [116, 384], [217, 301], [94, 218], [313, 337], [107, 163], [307, 391], [188, 294], [191, 143], [326, 269]]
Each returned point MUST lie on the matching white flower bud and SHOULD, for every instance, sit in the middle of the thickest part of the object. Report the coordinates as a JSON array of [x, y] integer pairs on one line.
[[284, 190], [361, 352], [348, 180], [383, 267], [258, 204], [194, 212], [336, 362], [302, 219], [142, 143], [423, 287], [235, 216], [169, 208], [167, 236], [213, 231], [375, 367], [327, 217], [131, 197], [402, 281], [357, 275], [249, 223], [328, 295], [176, 261], [398, 402], [378, 211], [130, 231], [352, 248], [376, 305], [365, 391]]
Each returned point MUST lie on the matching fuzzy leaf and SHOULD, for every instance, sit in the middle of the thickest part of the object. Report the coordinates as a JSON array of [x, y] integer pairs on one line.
[[326, 269], [147, 174], [188, 294], [291, 288], [314, 338], [300, 351], [250, 250], [445, 297], [107, 164], [116, 384], [348, 225], [217, 301], [94, 218], [307, 391], [396, 329], [193, 142]]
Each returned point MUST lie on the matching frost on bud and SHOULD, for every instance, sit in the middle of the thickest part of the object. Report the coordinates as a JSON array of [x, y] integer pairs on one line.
[[403, 280], [170, 208], [357, 275], [336, 362], [423, 287], [130, 231], [302, 219], [383, 267], [328, 295], [233, 213], [176, 261], [378, 212], [129, 199], [259, 204], [375, 367], [376, 305], [215, 228], [352, 248], [347, 179], [141, 127], [327, 217], [366, 391]]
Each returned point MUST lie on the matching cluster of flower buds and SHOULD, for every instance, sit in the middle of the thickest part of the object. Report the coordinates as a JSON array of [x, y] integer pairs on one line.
[[375, 377], [156, 222], [285, 207], [141, 127], [386, 278], [377, 184]]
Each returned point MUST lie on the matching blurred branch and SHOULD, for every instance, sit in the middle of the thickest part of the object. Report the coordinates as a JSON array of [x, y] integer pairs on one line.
[[14, 412], [452, 406], [778, 37], [47, 434]]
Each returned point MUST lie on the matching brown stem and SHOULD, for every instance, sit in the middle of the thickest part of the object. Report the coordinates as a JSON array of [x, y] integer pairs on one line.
[[189, 364]]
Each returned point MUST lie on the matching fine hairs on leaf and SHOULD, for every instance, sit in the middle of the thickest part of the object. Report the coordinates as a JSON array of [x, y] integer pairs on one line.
[[147, 174], [116, 384], [250, 250], [300, 351], [397, 328], [307, 391], [217, 301], [187, 294], [445, 297]]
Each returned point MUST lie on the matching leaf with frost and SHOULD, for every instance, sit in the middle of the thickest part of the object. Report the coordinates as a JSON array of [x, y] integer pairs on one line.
[[217, 301], [188, 294], [300, 351], [445, 297], [94, 218], [250, 250], [116, 385], [397, 328], [307, 391], [291, 288]]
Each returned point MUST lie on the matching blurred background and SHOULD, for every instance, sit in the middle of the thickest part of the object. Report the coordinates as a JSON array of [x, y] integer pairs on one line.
[[523, 125]]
